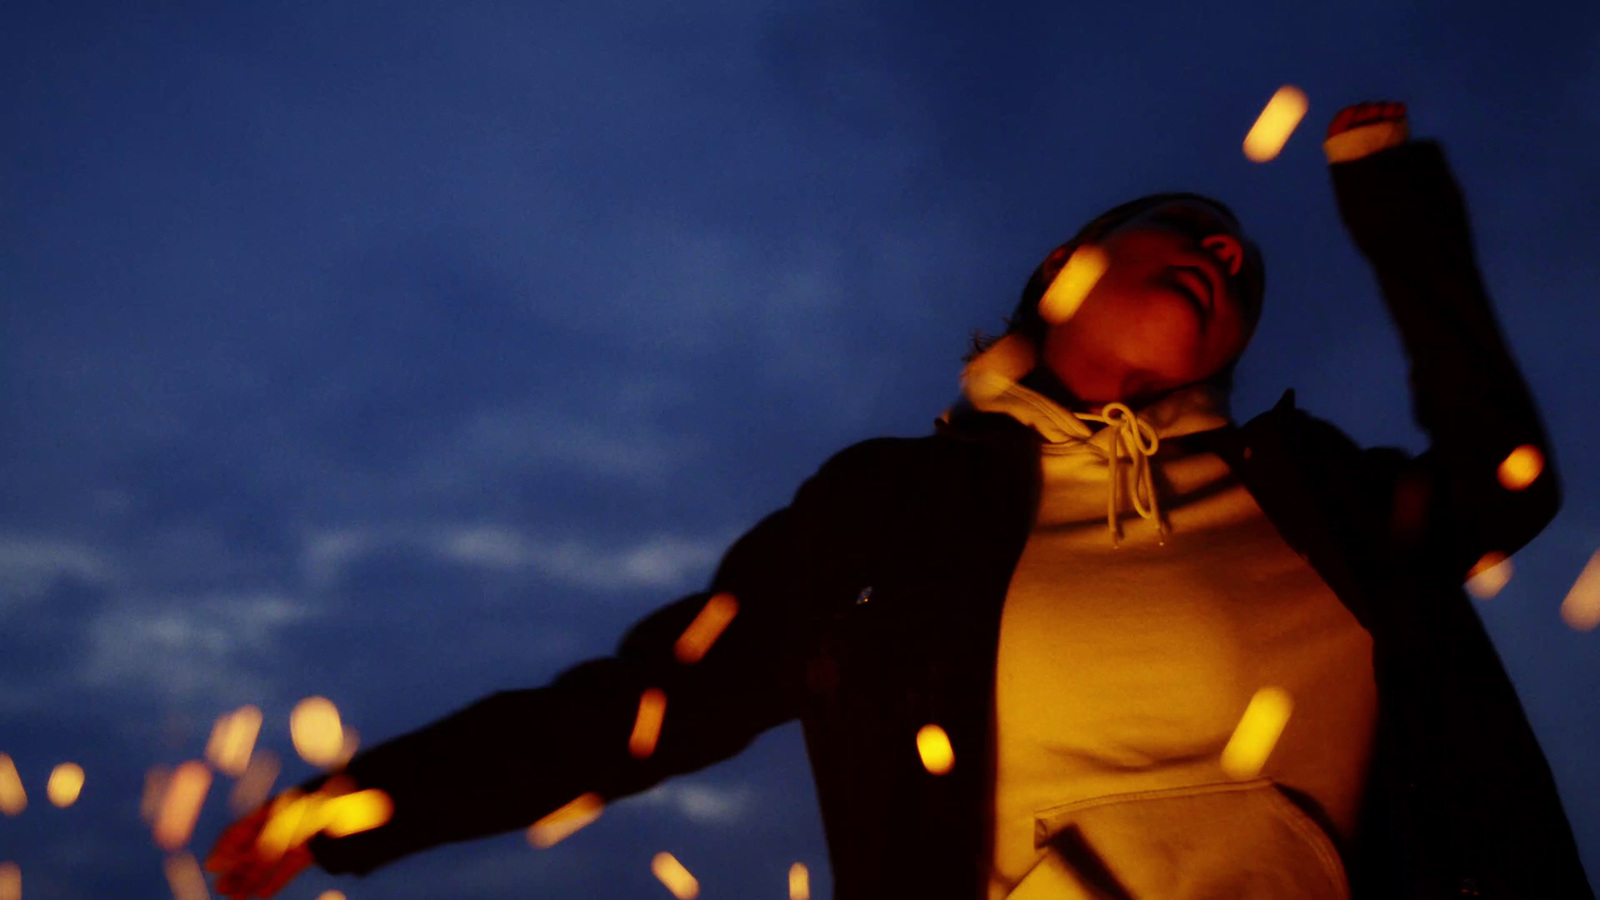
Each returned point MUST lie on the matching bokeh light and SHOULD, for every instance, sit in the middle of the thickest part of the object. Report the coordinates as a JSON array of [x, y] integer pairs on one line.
[[180, 804], [356, 812], [185, 878], [10, 881], [13, 798], [799, 882], [255, 785], [672, 874], [1073, 283], [1581, 609], [647, 724], [1257, 733], [562, 822], [66, 781], [156, 779], [331, 895], [233, 737], [933, 745], [1276, 123], [707, 626], [316, 732], [1489, 575], [1521, 468]]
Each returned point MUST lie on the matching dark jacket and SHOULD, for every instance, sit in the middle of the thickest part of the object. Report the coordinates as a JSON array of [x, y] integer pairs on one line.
[[870, 606]]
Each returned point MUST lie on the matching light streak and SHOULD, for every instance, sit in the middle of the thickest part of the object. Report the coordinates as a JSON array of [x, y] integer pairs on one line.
[[66, 781], [1581, 609], [13, 798], [562, 822], [675, 876], [233, 737], [933, 745], [255, 785], [1257, 733], [1521, 468], [314, 727], [10, 881], [185, 878], [1275, 124], [1489, 575], [647, 724], [799, 882], [180, 804], [1073, 283], [356, 812], [707, 626]]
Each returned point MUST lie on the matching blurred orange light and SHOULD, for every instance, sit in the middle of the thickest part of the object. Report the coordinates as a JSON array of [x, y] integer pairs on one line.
[[255, 785], [10, 881], [180, 804], [156, 780], [356, 812], [13, 799], [1521, 468], [291, 820], [185, 878], [1073, 283], [1275, 124], [233, 737], [331, 895], [1489, 575], [647, 724], [1257, 733], [933, 745], [1581, 609], [555, 827], [675, 876], [707, 626], [799, 882], [314, 727], [347, 747], [66, 780]]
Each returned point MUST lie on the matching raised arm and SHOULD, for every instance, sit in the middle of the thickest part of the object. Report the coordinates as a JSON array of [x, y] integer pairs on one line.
[[1405, 213]]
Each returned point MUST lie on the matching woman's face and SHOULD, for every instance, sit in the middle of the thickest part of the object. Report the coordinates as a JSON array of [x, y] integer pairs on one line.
[[1167, 312]]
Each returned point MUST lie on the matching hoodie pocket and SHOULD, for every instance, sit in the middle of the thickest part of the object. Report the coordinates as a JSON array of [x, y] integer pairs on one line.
[[1239, 840]]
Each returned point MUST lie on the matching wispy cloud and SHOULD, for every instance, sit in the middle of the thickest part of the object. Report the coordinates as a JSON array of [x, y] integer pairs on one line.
[[701, 803], [28, 565]]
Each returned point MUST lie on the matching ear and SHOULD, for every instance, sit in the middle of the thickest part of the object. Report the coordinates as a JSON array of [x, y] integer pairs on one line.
[[1228, 249]]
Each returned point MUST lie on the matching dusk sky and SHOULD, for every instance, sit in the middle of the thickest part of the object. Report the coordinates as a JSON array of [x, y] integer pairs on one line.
[[402, 353]]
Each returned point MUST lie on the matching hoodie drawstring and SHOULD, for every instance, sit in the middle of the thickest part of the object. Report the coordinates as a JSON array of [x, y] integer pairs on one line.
[[1140, 440]]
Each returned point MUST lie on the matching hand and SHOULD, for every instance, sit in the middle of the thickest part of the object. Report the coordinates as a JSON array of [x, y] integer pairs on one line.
[[1368, 113], [243, 871], [1364, 129]]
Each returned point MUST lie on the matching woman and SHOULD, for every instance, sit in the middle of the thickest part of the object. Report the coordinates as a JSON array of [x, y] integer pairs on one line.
[[1081, 581]]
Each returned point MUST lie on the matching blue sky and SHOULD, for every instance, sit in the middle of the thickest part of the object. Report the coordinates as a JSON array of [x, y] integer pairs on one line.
[[403, 353]]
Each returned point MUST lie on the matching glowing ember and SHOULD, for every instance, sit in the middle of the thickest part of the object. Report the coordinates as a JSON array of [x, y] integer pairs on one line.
[[156, 780], [1489, 575], [314, 727], [555, 827], [185, 878], [933, 745], [799, 882], [1276, 122], [255, 785], [675, 876], [233, 737], [707, 626], [180, 804], [1581, 609], [356, 812], [1257, 733], [13, 799], [66, 780], [647, 724], [10, 881], [1073, 283], [1521, 468]]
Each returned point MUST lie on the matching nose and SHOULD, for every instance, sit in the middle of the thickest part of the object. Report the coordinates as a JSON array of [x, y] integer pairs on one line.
[[1227, 248]]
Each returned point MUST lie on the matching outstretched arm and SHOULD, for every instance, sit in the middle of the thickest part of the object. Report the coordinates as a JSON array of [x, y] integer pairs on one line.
[[1405, 212]]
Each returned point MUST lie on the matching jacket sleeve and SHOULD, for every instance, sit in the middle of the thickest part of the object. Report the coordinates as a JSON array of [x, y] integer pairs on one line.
[[1406, 214], [509, 759]]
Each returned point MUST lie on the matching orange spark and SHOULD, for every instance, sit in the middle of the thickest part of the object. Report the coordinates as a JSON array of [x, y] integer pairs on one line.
[[647, 724], [1257, 733], [1276, 122], [1073, 283], [675, 876], [314, 727], [233, 737], [255, 785], [66, 780], [13, 799], [933, 745], [1581, 609], [799, 882], [1521, 468], [707, 626], [185, 878], [1489, 575], [556, 826], [180, 804]]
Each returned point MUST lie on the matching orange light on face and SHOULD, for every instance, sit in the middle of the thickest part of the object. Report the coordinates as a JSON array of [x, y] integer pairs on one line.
[[1073, 283], [66, 780], [1521, 468], [13, 799], [10, 881], [255, 785], [675, 876], [185, 878], [1581, 609], [799, 882], [314, 727], [156, 780], [1257, 733], [1276, 122], [357, 812], [647, 724], [933, 745], [180, 804], [712, 620], [555, 827], [233, 737], [1489, 575]]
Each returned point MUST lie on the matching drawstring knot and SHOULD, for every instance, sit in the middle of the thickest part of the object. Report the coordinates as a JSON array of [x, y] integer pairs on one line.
[[1139, 439]]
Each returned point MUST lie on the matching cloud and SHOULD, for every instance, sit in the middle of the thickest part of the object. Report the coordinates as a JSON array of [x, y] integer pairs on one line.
[[700, 803], [29, 565]]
